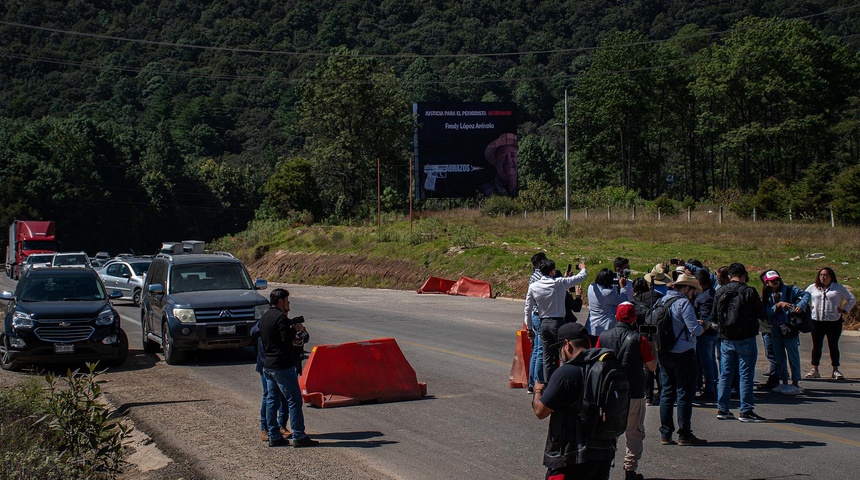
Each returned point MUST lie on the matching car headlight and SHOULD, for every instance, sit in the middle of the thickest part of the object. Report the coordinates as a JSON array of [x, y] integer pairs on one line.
[[185, 315], [259, 310], [21, 320], [106, 317]]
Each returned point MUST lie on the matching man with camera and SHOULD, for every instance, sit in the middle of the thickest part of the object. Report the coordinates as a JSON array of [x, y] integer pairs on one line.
[[634, 351]]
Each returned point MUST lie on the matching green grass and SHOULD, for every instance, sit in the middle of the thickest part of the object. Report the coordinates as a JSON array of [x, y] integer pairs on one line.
[[497, 249]]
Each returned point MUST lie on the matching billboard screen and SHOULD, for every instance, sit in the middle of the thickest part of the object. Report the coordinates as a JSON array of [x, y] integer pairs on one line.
[[465, 149]]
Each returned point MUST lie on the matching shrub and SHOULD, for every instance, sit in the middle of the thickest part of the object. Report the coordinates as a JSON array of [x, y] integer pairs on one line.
[[846, 196], [499, 205], [665, 205], [560, 228], [464, 237], [613, 197], [812, 195], [539, 195], [772, 200], [86, 430]]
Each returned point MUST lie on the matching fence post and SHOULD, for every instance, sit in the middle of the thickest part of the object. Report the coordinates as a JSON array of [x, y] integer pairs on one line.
[[832, 222], [753, 214], [525, 213], [658, 214], [789, 214], [586, 213], [544, 212], [689, 214], [721, 214], [609, 213], [634, 213]]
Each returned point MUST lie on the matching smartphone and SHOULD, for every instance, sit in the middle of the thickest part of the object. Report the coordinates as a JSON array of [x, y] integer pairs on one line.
[[569, 269]]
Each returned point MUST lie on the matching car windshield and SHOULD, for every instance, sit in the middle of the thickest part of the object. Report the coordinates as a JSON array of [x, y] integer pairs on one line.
[[140, 267], [62, 288], [39, 245], [70, 260], [209, 276], [40, 258]]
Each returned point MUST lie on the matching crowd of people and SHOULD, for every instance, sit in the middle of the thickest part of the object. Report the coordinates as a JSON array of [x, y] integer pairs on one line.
[[716, 319]]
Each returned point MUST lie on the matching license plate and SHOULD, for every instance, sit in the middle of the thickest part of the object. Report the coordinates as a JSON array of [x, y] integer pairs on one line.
[[226, 329], [64, 348]]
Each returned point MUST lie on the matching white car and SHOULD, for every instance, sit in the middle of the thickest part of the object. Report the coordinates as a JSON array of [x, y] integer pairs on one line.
[[127, 276], [37, 260], [71, 259]]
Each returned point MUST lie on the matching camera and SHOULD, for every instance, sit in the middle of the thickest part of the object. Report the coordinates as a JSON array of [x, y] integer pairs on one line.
[[648, 329], [624, 274]]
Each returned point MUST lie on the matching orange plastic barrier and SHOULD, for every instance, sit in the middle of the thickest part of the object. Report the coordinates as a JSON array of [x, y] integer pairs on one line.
[[522, 354], [471, 288], [348, 373], [436, 285], [464, 286]]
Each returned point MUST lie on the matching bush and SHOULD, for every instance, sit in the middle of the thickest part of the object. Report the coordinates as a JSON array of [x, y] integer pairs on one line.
[[464, 237], [665, 205], [539, 195], [812, 195], [560, 229], [846, 196], [613, 197], [498, 206]]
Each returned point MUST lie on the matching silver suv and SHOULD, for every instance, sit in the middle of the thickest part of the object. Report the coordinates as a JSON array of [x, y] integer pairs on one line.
[[198, 301]]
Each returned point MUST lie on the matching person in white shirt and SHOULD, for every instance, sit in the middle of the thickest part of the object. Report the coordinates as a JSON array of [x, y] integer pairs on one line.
[[830, 301], [547, 295]]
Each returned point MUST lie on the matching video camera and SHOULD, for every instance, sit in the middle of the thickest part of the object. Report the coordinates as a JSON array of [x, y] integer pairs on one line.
[[648, 329], [624, 274]]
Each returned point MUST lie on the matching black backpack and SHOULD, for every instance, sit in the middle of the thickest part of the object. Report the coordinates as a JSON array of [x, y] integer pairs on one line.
[[727, 310], [660, 320], [605, 397]]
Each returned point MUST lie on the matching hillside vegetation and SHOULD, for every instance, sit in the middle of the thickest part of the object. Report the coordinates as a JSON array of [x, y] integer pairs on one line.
[[137, 121]]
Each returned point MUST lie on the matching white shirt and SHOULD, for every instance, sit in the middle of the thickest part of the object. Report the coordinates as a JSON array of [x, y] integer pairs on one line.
[[827, 303], [547, 294]]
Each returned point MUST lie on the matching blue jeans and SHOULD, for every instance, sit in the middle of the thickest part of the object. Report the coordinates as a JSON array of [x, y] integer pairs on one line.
[[791, 348], [281, 407], [740, 354], [707, 361], [767, 339], [287, 382], [678, 378], [536, 361]]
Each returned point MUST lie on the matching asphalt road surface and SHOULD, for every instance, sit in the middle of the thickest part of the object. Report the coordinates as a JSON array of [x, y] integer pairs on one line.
[[472, 425]]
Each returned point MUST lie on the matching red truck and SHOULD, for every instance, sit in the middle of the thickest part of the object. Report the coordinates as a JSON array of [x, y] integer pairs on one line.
[[27, 237]]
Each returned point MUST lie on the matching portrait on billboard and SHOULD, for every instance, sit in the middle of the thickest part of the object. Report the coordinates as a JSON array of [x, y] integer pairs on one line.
[[465, 149]]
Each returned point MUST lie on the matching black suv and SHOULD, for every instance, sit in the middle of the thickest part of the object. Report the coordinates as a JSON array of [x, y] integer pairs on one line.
[[61, 315], [199, 301]]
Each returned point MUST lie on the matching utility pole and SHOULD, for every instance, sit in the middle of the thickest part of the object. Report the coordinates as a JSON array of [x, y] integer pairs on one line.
[[566, 165]]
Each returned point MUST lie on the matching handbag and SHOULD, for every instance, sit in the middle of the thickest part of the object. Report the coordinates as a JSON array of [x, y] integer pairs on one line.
[[802, 322]]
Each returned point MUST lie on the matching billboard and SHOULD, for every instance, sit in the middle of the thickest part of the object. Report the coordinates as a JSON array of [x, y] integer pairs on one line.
[[465, 149]]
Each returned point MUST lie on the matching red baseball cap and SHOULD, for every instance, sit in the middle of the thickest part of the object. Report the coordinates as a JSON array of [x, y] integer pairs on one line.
[[626, 312]]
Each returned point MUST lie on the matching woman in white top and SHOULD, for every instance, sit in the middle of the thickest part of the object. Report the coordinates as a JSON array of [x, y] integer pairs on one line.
[[829, 301]]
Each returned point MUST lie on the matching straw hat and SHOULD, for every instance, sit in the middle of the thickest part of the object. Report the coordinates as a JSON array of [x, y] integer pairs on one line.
[[658, 276], [689, 281], [504, 139]]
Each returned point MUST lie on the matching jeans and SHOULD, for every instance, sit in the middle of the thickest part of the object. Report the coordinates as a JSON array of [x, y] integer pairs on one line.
[[281, 407], [767, 339], [549, 335], [287, 382], [707, 362], [536, 362], [791, 348], [678, 378], [740, 354]]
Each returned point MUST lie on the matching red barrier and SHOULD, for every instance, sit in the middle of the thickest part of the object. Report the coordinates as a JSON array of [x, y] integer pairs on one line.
[[522, 354], [349, 373], [471, 288], [436, 285]]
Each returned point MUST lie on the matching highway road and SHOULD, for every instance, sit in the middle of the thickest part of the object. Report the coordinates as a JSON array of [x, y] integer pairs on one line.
[[473, 425]]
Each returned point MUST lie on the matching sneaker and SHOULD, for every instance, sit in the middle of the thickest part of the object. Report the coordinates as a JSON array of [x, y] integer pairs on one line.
[[725, 415], [666, 441], [692, 440], [791, 390], [838, 375], [281, 442], [751, 417], [813, 374], [781, 388], [530, 390], [264, 436], [632, 475], [305, 442]]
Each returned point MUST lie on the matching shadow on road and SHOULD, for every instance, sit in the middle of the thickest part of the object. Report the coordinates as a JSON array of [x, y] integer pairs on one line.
[[815, 422], [352, 439], [762, 444], [124, 408]]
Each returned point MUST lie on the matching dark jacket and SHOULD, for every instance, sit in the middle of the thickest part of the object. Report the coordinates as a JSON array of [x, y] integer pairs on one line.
[[566, 442], [277, 334], [703, 305], [630, 356], [750, 311]]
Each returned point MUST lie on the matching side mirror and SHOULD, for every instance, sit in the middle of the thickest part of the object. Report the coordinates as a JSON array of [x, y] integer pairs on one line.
[[114, 294], [156, 289], [261, 284], [7, 295], [126, 275]]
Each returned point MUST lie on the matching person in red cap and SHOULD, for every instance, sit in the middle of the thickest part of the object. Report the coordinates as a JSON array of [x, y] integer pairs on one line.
[[634, 351]]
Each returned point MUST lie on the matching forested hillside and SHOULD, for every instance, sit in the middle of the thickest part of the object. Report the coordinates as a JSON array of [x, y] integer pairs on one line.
[[132, 122]]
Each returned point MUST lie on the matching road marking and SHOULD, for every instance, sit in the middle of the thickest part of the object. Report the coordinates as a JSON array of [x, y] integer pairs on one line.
[[129, 319], [812, 433], [428, 347]]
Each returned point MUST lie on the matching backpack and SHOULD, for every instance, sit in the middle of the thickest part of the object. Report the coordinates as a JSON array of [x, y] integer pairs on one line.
[[661, 321], [605, 397], [727, 310]]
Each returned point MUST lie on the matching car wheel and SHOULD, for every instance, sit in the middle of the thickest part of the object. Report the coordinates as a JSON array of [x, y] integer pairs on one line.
[[5, 359], [148, 345], [122, 352], [171, 355], [135, 297]]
